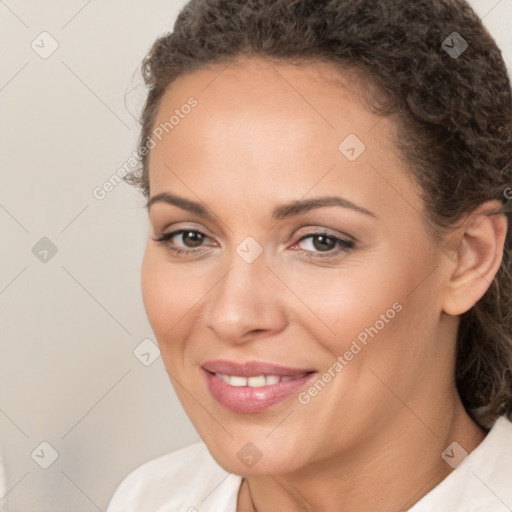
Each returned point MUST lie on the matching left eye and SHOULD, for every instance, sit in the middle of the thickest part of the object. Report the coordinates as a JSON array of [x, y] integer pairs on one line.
[[323, 242]]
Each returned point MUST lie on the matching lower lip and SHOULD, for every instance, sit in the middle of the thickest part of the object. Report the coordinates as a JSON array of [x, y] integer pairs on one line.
[[245, 399]]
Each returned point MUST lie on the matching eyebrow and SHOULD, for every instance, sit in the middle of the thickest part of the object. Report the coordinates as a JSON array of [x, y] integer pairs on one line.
[[281, 212]]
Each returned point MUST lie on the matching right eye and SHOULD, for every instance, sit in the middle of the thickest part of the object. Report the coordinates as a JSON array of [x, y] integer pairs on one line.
[[191, 239]]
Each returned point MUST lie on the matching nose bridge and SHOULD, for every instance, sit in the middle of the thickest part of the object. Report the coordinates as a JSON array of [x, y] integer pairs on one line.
[[241, 301]]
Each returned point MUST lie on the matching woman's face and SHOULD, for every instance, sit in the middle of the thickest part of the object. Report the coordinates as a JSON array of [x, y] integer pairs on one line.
[[328, 315]]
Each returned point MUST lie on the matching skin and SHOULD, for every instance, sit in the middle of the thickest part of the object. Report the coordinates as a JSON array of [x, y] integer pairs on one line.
[[265, 133]]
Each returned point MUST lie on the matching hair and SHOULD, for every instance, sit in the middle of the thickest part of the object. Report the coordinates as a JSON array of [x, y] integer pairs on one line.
[[453, 112]]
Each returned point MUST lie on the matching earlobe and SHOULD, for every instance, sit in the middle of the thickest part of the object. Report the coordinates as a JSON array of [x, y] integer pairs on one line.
[[476, 257]]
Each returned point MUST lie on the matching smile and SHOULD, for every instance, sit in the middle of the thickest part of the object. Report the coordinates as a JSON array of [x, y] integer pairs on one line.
[[257, 381], [253, 387]]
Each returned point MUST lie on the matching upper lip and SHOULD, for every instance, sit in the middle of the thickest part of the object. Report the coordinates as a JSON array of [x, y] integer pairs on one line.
[[251, 368]]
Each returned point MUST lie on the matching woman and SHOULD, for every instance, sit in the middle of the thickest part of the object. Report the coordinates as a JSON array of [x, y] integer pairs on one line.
[[328, 269]]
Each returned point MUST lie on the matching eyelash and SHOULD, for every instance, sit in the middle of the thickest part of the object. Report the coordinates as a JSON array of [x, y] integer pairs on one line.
[[344, 246]]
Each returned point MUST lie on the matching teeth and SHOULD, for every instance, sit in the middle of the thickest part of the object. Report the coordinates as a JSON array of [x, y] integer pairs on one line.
[[256, 381], [272, 379], [238, 381]]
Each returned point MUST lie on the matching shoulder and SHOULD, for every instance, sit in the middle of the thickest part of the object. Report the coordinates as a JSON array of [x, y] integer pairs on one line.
[[186, 480]]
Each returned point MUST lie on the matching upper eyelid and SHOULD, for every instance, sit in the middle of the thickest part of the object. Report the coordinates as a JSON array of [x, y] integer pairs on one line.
[[175, 232], [221, 232], [167, 230], [326, 231], [316, 232]]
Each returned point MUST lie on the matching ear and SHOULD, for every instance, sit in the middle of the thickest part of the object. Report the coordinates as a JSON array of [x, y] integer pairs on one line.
[[476, 251]]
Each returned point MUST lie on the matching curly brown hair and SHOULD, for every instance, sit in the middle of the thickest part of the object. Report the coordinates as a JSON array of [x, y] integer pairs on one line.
[[454, 118]]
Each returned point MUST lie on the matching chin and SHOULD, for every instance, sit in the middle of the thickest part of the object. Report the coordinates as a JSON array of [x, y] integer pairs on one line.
[[260, 456]]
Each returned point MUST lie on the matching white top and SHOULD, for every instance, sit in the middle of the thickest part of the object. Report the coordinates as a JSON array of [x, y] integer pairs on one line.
[[189, 480]]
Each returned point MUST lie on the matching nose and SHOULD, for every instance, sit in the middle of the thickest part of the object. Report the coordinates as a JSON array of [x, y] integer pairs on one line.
[[246, 303]]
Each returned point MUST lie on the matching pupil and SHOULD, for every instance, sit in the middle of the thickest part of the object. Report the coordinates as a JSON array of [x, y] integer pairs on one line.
[[192, 239], [325, 243]]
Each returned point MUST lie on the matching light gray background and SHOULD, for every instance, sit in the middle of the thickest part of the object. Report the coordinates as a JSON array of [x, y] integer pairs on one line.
[[69, 326]]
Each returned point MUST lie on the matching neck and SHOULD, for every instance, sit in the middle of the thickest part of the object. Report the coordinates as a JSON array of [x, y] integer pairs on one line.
[[391, 472]]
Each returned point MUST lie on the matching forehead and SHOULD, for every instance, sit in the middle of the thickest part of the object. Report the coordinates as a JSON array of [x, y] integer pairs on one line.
[[259, 96], [261, 126]]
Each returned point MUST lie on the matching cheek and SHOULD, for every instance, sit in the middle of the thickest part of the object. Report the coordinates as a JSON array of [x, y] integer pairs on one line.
[[371, 299], [346, 300], [154, 292], [168, 295]]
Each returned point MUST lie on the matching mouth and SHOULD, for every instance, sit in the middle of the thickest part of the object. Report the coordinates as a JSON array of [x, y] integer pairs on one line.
[[253, 386], [257, 381]]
